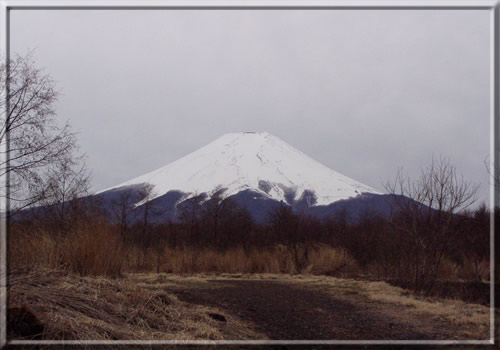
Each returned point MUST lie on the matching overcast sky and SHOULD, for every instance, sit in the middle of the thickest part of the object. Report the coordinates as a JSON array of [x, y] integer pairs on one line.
[[363, 92]]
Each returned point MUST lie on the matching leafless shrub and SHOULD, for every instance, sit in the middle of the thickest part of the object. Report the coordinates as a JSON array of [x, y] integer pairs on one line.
[[424, 213]]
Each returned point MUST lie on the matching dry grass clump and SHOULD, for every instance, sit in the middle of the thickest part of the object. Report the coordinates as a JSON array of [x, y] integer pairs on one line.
[[325, 260], [472, 270], [36, 248], [75, 308], [93, 250], [88, 249], [472, 318], [469, 269], [235, 260], [317, 259]]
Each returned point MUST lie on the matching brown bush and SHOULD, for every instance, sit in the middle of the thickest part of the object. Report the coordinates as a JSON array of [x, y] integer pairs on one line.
[[474, 270], [36, 248], [88, 249], [93, 250], [325, 260]]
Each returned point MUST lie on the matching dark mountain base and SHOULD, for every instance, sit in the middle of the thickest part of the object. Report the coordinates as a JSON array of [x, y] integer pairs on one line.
[[166, 207]]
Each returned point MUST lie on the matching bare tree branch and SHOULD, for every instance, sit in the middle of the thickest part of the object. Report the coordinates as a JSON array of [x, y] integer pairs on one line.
[[424, 211], [31, 130]]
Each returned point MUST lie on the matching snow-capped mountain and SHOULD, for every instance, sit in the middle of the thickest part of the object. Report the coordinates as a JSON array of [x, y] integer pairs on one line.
[[259, 172], [255, 161]]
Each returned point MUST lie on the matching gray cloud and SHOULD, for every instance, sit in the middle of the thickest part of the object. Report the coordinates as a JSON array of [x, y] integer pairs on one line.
[[363, 92]]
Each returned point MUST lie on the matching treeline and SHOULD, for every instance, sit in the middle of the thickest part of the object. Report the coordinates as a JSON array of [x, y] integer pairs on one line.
[[414, 252]]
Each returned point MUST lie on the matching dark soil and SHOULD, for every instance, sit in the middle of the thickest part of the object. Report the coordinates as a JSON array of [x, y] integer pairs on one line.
[[290, 312], [22, 323]]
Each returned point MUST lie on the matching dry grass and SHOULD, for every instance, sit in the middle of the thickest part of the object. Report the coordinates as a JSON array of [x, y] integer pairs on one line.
[[72, 307], [325, 260], [33, 249], [93, 250], [321, 259], [472, 270], [88, 249], [472, 319], [96, 250]]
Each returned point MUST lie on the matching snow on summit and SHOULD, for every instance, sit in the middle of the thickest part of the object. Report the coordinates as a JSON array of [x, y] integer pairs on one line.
[[256, 161]]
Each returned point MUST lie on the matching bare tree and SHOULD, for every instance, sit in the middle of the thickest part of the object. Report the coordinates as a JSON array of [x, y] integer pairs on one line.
[[493, 170], [160, 243], [476, 240], [424, 210], [190, 215], [122, 208], [63, 184], [338, 224], [30, 136], [147, 194], [215, 210], [288, 230]]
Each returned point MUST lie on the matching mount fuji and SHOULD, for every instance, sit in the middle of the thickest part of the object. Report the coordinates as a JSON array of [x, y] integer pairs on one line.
[[257, 171]]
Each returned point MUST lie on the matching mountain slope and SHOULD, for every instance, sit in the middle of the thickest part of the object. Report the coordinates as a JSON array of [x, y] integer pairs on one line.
[[258, 163]]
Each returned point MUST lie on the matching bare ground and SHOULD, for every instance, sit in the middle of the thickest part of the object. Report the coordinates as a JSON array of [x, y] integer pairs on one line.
[[289, 312], [294, 307]]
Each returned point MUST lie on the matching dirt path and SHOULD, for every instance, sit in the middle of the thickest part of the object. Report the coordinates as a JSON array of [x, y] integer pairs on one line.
[[289, 311]]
